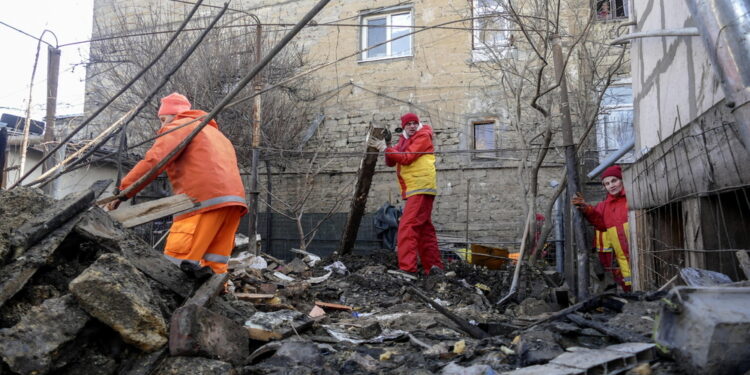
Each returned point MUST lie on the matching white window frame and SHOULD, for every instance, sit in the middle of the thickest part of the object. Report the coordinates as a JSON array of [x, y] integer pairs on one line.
[[388, 15], [612, 10], [481, 51], [602, 129]]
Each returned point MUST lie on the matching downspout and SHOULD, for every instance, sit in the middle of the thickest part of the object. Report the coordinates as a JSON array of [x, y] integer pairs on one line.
[[724, 26]]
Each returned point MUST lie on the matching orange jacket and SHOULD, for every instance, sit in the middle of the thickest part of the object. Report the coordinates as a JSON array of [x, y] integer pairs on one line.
[[415, 163], [206, 170]]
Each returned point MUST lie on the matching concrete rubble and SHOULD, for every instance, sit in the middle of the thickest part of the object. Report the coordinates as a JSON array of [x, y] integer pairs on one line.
[[90, 297]]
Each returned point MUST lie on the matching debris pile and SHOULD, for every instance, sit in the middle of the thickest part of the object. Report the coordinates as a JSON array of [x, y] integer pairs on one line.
[[86, 296]]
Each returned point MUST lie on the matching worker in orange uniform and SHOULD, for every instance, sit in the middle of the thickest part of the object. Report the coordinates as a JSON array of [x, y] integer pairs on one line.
[[414, 159], [610, 219], [201, 239]]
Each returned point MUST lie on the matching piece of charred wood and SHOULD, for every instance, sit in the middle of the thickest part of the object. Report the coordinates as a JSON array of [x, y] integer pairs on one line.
[[618, 334], [587, 304], [474, 331]]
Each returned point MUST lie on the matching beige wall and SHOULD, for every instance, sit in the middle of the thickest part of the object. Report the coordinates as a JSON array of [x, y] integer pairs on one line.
[[673, 79]]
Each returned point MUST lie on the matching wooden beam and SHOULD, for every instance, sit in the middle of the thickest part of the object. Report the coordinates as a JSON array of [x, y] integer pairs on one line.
[[361, 190], [152, 210], [620, 335]]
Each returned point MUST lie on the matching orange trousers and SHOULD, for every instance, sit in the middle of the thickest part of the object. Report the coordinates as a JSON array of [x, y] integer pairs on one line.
[[205, 239]]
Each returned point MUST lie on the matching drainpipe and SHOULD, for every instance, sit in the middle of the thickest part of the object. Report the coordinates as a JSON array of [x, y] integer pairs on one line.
[[724, 26], [688, 31], [611, 159]]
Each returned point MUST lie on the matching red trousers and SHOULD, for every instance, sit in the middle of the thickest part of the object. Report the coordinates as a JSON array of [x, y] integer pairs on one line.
[[416, 235], [607, 259]]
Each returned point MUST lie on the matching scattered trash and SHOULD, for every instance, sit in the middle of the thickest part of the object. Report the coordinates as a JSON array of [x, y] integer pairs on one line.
[[337, 267]]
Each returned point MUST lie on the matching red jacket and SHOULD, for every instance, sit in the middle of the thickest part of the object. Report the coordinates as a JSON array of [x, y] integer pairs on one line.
[[206, 170], [415, 163], [610, 219]]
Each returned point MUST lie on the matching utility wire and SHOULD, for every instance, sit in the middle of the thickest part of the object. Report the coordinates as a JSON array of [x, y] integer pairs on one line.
[[39, 39], [112, 99]]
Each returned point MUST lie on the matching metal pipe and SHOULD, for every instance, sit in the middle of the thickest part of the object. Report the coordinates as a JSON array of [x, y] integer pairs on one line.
[[687, 31], [611, 159], [725, 26]]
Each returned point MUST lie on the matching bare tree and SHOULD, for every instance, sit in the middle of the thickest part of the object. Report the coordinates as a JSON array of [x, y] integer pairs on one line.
[[526, 84], [134, 35]]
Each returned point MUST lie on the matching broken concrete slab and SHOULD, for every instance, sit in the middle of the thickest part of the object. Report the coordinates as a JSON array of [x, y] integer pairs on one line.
[[300, 353], [97, 226], [18, 206], [14, 276], [30, 347], [196, 331], [455, 369], [614, 359], [194, 366], [719, 316], [51, 218], [116, 293]]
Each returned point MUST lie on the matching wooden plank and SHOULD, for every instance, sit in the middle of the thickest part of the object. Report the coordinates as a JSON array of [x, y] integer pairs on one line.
[[208, 290], [252, 296], [334, 306], [150, 211], [744, 260], [620, 335]]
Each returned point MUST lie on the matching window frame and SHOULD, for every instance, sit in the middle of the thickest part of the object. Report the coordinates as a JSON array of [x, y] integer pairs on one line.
[[388, 14], [603, 128], [480, 50], [612, 15], [484, 155]]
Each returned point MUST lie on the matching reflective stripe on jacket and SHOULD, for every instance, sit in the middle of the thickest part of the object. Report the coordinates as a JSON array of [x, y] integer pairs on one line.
[[610, 219], [415, 163], [206, 170]]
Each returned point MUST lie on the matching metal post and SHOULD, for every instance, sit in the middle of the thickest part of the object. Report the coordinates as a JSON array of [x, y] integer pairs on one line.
[[3, 142], [252, 229], [53, 71], [468, 195], [571, 166]]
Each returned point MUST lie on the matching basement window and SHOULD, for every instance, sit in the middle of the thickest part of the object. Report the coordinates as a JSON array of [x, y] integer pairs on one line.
[[491, 29], [614, 127], [611, 10], [484, 139], [379, 32]]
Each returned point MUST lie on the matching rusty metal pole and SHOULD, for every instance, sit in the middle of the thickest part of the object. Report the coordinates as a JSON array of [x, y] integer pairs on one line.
[[571, 167], [53, 72], [252, 229]]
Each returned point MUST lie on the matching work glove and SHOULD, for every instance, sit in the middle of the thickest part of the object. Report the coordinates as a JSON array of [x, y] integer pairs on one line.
[[376, 143], [387, 136]]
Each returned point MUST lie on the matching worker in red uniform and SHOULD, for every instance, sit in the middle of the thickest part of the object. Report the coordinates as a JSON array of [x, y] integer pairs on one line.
[[201, 239], [414, 159], [610, 219]]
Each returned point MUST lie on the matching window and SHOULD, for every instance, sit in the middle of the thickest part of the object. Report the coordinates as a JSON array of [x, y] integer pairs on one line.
[[484, 139], [491, 28], [378, 31], [615, 123], [611, 9]]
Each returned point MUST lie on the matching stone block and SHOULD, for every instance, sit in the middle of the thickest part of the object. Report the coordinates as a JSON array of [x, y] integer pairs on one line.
[[32, 345], [116, 293], [194, 366], [196, 331]]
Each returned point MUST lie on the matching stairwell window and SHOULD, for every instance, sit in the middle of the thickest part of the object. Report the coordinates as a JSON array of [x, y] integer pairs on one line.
[[491, 29], [379, 33]]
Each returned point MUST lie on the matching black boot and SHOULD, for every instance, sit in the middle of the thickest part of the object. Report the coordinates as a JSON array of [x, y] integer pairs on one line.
[[195, 271]]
